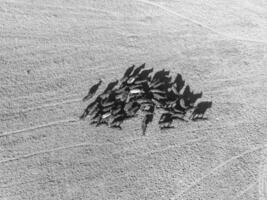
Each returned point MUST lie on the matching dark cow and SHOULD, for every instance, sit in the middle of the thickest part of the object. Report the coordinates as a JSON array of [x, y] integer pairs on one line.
[[166, 120], [200, 109], [137, 70], [147, 119], [92, 91], [110, 86], [128, 73]]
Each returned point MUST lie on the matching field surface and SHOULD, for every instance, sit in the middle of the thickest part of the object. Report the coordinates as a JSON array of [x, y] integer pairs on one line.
[[52, 51]]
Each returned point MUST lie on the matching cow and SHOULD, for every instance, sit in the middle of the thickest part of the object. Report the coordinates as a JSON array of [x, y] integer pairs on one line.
[[200, 109]]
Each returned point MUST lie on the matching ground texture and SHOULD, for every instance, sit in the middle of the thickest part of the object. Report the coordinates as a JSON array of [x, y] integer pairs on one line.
[[52, 51]]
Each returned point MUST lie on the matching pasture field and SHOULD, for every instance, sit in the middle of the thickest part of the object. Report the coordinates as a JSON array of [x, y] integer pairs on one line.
[[51, 52]]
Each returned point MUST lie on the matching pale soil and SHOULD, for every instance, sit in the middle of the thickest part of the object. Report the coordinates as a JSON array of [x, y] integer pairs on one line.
[[52, 51]]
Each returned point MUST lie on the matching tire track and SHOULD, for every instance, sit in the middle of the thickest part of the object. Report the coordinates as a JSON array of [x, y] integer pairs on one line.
[[124, 141], [65, 8], [262, 180], [87, 144], [249, 187], [128, 158], [23, 183], [203, 138], [39, 126], [93, 160], [216, 168], [136, 139], [68, 101], [37, 51], [51, 150], [61, 57], [124, 159], [201, 24]]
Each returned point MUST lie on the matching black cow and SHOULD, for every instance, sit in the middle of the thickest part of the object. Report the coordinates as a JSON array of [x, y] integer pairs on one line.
[[128, 72], [200, 109], [137, 70], [110, 86], [92, 91], [166, 120], [147, 119]]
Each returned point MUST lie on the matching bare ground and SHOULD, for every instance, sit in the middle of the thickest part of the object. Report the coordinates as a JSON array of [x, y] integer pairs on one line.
[[52, 51]]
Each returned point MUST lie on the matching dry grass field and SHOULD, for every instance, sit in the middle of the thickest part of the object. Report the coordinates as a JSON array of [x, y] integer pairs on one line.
[[51, 52]]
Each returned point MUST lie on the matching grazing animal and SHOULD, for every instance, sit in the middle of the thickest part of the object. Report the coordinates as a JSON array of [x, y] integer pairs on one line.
[[200, 109], [162, 76], [96, 119], [139, 89], [104, 119], [179, 82], [123, 96], [166, 120], [109, 101], [91, 108], [147, 119], [116, 110], [131, 108], [171, 97], [189, 97], [117, 121], [186, 92], [166, 73], [179, 107], [157, 75], [156, 84], [194, 98], [92, 91], [144, 74], [127, 73], [87, 110], [137, 70], [148, 108], [133, 77], [110, 86], [158, 96]]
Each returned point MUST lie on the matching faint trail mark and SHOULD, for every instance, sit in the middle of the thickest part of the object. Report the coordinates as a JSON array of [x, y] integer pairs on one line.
[[241, 193], [216, 168], [262, 180], [51, 150], [200, 24], [48, 105], [40, 126], [95, 144]]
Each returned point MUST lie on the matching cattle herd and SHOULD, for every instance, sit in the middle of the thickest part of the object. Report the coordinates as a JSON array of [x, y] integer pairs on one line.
[[141, 92]]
